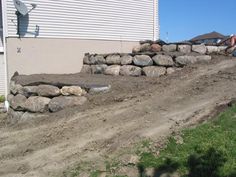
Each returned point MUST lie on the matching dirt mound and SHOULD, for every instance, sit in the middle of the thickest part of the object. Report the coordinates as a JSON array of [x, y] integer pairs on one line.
[[134, 109]]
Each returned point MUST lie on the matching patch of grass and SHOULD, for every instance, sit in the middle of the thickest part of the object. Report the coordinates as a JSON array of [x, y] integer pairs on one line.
[[210, 145], [2, 98]]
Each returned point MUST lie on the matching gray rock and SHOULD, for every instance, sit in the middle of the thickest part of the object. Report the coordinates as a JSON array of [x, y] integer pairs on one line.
[[113, 70], [154, 71], [18, 102], [142, 60], [14, 116], [113, 59], [212, 49], [185, 60], [62, 102], [72, 90], [98, 69], [100, 89], [169, 48], [86, 69], [88, 59], [99, 59], [126, 60], [48, 90], [184, 48], [27, 116], [136, 49], [29, 91], [199, 48], [163, 60], [37, 104], [145, 47], [15, 88], [222, 48], [129, 70], [170, 70], [156, 48], [203, 58]]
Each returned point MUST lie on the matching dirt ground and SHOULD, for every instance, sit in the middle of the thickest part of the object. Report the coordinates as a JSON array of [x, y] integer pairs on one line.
[[134, 109]]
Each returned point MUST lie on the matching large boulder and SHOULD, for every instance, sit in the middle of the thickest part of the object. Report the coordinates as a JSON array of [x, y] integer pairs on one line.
[[163, 60], [113, 59], [126, 60], [17, 102], [145, 47], [48, 91], [185, 60], [62, 102], [86, 69], [129, 70], [184, 48], [170, 70], [169, 48], [154, 71], [203, 58], [199, 48], [142, 60], [156, 48], [37, 104], [72, 90], [99, 59], [212, 49], [14, 116], [98, 69], [112, 70], [88, 59]]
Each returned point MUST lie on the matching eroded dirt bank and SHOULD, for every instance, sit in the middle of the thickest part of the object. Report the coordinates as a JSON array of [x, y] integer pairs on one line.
[[136, 108]]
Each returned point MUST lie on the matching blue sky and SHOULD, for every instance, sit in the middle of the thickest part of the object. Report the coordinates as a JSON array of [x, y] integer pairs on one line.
[[185, 19]]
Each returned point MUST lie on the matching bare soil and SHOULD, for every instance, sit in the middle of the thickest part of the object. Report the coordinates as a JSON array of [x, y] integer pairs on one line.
[[134, 109]]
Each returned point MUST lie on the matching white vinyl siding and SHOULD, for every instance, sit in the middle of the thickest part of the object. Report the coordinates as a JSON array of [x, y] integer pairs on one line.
[[2, 74], [130, 20]]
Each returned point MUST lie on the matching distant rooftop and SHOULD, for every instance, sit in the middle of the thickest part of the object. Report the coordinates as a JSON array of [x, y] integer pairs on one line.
[[212, 35]]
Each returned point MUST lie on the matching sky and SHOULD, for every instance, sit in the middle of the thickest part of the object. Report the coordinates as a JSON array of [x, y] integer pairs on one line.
[[184, 19]]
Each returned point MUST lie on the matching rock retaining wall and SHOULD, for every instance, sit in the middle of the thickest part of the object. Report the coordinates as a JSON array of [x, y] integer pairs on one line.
[[27, 100], [149, 59]]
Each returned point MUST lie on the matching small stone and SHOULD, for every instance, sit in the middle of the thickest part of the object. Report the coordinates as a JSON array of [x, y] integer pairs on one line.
[[15, 88], [48, 90], [136, 49], [156, 48], [72, 90], [184, 48], [86, 69], [170, 70], [185, 60], [145, 47], [18, 102], [62, 102], [98, 69], [203, 58], [199, 48], [113, 59], [126, 60], [37, 104], [169, 48], [100, 89], [142, 60], [154, 71], [113, 70], [163, 60], [130, 70]]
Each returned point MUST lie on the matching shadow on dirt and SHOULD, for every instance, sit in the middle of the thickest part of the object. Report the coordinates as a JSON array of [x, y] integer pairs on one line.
[[199, 164]]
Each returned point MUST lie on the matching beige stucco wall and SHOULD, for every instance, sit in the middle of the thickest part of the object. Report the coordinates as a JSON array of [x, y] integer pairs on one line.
[[55, 56]]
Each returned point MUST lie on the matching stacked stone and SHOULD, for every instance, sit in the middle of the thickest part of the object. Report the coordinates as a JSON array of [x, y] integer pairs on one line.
[[43, 98], [152, 60]]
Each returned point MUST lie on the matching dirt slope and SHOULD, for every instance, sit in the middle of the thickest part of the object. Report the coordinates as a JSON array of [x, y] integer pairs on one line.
[[136, 108]]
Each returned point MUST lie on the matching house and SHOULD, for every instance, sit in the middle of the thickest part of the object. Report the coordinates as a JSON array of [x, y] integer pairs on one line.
[[54, 36], [208, 39]]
